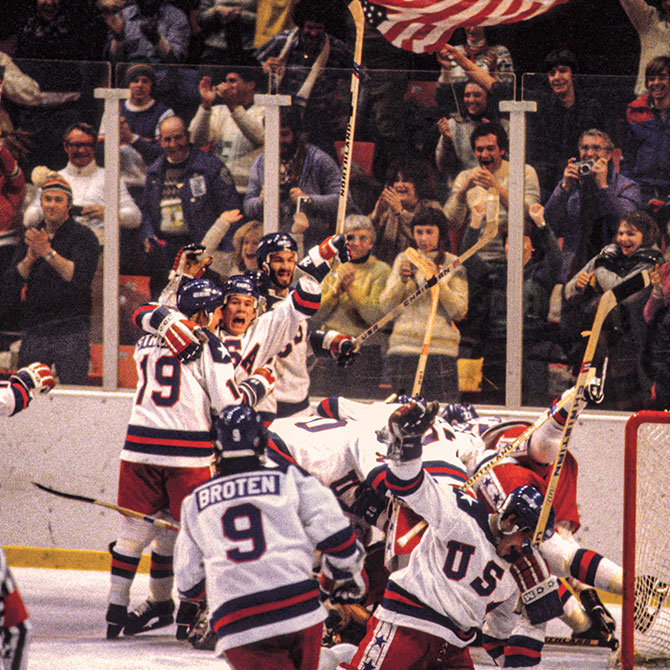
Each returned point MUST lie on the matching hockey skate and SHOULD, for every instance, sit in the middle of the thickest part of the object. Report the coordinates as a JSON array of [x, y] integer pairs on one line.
[[117, 616], [602, 622], [650, 594], [151, 614]]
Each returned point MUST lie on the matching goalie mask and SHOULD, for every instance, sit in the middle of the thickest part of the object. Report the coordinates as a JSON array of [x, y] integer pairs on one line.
[[240, 433], [240, 304], [199, 295]]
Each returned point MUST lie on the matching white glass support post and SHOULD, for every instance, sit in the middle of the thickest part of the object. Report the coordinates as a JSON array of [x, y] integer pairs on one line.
[[110, 281], [517, 160], [272, 103]]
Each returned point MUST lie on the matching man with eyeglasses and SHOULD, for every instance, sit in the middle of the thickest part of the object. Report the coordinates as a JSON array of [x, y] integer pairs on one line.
[[588, 201], [87, 180]]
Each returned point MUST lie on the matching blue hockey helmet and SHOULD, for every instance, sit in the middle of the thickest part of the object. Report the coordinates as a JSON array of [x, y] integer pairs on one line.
[[459, 412], [273, 243], [240, 432], [198, 294], [522, 506], [240, 285]]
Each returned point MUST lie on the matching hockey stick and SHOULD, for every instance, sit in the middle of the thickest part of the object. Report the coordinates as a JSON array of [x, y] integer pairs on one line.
[[124, 510], [607, 303], [490, 232], [578, 642], [417, 259], [356, 11]]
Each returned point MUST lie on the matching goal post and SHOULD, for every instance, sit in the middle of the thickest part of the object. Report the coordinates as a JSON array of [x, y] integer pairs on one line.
[[645, 625]]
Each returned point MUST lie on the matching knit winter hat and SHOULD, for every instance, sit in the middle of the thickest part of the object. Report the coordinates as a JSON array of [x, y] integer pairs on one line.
[[139, 70], [57, 183]]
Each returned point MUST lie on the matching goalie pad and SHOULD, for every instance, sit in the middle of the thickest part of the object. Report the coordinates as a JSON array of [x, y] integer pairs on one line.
[[539, 589], [35, 377], [182, 336]]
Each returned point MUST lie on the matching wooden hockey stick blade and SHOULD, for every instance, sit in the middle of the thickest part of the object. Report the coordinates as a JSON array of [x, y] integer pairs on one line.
[[356, 11], [123, 510], [607, 303], [412, 533], [578, 642], [490, 232]]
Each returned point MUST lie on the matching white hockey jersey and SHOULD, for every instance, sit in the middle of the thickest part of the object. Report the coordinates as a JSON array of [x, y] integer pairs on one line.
[[171, 419], [251, 538], [454, 577]]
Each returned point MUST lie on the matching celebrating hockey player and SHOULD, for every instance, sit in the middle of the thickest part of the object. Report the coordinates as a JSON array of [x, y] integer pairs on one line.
[[168, 447], [18, 391], [250, 534], [469, 564]]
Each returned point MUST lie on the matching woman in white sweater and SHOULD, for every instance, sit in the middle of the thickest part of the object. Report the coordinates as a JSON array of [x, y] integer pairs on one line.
[[429, 229]]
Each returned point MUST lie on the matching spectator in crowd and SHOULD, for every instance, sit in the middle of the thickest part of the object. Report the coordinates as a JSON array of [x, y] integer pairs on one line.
[[561, 117], [186, 190], [633, 250], [652, 23], [412, 183], [453, 152], [12, 190], [151, 30], [589, 201], [349, 305], [541, 266], [646, 150], [429, 230], [306, 172], [230, 123], [87, 181], [300, 63], [455, 66], [657, 317], [50, 280], [245, 242], [141, 116], [491, 176], [56, 30], [227, 30]]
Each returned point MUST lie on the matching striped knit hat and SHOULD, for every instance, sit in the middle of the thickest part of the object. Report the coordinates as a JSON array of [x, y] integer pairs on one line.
[[57, 183]]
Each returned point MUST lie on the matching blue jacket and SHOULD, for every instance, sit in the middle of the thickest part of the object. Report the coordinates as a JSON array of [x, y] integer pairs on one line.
[[214, 194], [585, 233]]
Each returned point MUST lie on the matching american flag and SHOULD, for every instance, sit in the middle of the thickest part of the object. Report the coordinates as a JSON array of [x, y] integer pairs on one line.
[[426, 25]]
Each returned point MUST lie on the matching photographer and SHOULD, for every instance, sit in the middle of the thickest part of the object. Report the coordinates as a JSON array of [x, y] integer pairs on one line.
[[588, 202]]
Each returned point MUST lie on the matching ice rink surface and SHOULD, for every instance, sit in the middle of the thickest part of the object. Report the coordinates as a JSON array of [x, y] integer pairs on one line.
[[67, 611]]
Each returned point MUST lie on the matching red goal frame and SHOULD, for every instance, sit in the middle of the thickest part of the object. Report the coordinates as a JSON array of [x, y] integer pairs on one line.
[[629, 528]]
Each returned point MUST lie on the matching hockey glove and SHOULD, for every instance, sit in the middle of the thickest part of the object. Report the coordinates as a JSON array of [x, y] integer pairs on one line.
[[370, 506], [187, 615], [344, 580], [405, 429], [539, 589], [335, 244], [336, 344], [189, 262], [183, 338], [35, 377], [258, 385]]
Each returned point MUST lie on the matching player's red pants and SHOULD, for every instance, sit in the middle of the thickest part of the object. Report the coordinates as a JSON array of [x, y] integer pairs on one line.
[[150, 488], [295, 651], [390, 647]]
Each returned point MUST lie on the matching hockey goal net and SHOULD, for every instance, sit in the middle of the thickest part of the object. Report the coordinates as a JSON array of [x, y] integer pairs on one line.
[[645, 634]]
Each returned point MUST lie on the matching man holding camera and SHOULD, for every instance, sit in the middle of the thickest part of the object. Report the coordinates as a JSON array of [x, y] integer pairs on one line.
[[588, 202]]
